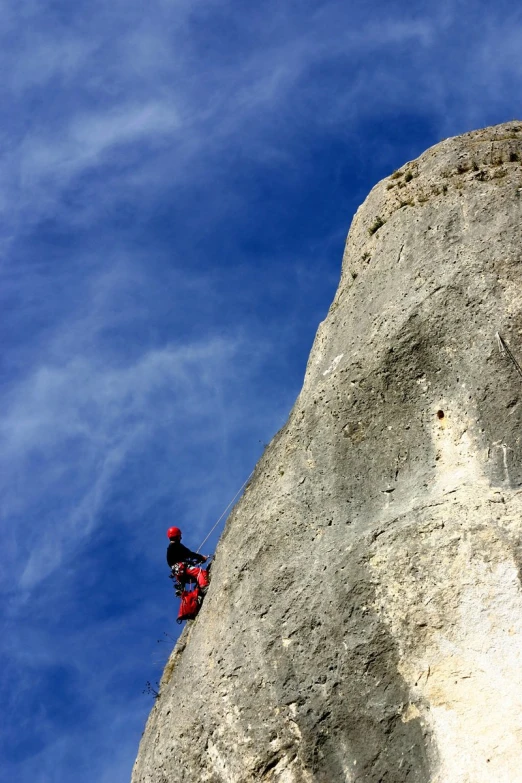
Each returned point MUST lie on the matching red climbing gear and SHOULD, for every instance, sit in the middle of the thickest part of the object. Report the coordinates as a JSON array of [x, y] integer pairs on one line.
[[183, 572], [191, 599], [196, 573], [190, 604]]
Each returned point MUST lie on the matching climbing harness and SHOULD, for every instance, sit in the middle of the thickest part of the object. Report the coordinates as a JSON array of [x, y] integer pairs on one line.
[[225, 511], [504, 349], [178, 571]]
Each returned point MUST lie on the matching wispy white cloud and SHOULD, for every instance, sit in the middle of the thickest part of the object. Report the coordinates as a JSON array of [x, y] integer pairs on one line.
[[70, 429], [155, 87], [203, 108], [34, 176], [44, 61], [88, 138]]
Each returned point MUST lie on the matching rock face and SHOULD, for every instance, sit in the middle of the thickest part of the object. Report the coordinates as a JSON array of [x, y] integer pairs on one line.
[[364, 621]]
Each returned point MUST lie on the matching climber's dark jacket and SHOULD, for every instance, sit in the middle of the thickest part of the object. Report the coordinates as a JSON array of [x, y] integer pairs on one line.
[[178, 553]]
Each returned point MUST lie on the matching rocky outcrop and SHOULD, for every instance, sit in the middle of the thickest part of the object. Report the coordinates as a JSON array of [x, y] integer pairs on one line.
[[364, 622]]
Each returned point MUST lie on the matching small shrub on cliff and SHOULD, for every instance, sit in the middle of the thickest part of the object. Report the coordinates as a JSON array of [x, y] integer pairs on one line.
[[150, 690], [408, 176], [376, 225]]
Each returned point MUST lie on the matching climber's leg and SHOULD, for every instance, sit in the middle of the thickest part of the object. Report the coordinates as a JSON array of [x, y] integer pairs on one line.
[[199, 574]]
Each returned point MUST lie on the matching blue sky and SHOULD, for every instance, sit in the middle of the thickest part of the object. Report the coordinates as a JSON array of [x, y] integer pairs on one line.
[[176, 183]]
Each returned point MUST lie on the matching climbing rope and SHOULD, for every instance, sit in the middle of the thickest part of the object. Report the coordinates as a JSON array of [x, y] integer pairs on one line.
[[504, 349], [225, 511]]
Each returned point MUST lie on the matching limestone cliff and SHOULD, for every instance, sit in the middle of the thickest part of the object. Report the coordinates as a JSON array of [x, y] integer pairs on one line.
[[364, 621]]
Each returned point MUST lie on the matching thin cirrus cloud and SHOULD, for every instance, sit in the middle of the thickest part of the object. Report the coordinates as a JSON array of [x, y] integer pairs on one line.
[[227, 99], [45, 164], [207, 108], [96, 415], [88, 138]]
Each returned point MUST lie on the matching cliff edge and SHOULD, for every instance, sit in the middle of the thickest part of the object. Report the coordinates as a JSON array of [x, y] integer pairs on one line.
[[364, 621]]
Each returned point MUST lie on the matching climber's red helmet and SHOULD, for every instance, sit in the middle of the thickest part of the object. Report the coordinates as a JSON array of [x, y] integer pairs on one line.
[[174, 532]]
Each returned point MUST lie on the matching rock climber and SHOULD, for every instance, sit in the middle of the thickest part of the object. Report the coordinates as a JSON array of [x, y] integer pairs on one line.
[[182, 562]]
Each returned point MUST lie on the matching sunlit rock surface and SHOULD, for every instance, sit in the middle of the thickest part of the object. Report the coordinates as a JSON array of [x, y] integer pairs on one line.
[[364, 621]]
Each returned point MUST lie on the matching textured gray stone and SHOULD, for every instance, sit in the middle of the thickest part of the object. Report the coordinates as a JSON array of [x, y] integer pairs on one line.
[[364, 621]]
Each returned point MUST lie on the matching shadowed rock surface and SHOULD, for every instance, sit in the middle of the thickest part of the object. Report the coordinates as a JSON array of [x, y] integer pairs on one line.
[[364, 621]]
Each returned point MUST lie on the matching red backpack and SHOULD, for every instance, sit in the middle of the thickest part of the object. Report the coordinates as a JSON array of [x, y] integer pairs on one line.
[[190, 603]]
